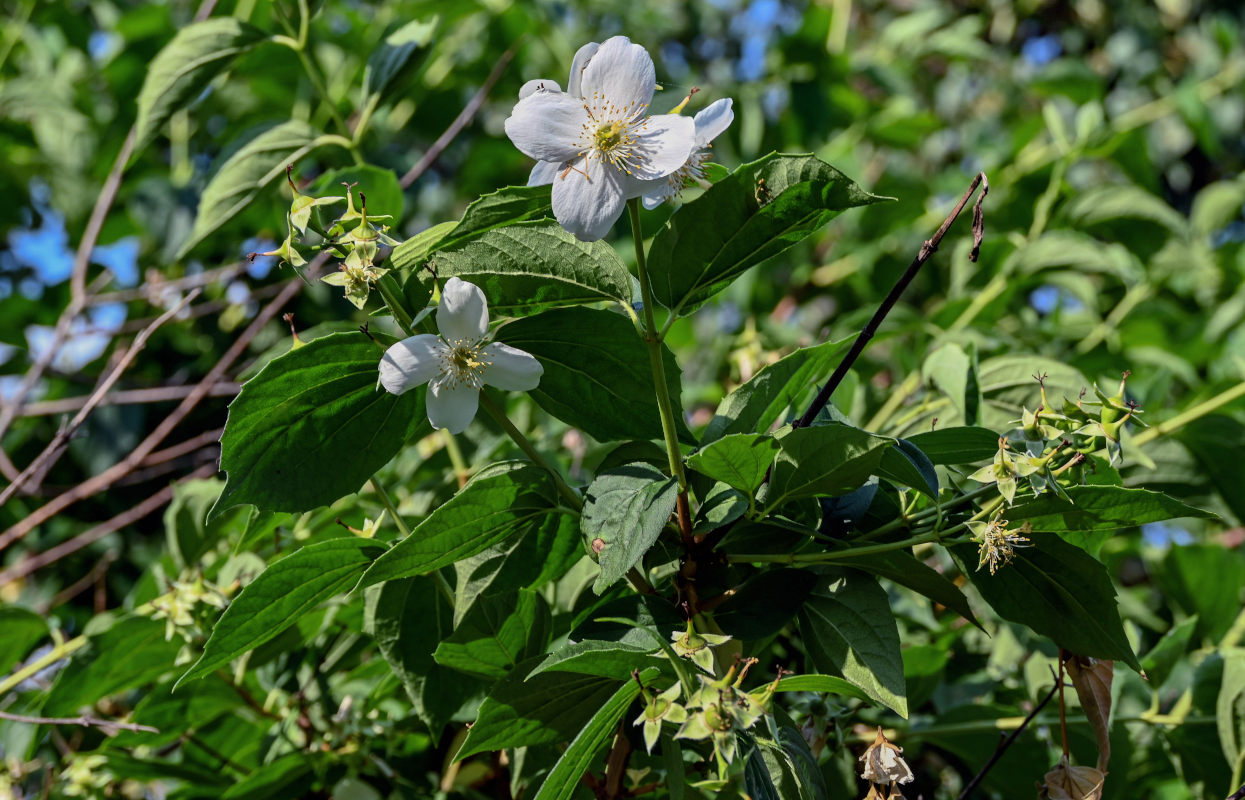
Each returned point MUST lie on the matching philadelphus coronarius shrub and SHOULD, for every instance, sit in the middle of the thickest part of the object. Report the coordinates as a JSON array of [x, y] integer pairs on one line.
[[654, 620]]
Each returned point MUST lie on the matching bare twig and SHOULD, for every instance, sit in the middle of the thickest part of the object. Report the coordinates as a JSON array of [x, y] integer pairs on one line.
[[54, 448], [927, 250], [461, 121], [143, 292], [25, 567], [108, 726], [181, 449], [82, 584], [1006, 743], [126, 397]]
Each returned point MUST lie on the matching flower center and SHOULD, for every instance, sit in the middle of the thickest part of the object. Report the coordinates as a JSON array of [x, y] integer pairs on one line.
[[463, 362], [610, 134]]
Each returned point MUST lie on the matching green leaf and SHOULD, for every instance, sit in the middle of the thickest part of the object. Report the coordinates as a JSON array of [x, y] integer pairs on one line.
[[761, 209], [497, 502], [564, 778], [543, 709], [312, 427], [1210, 439], [129, 653], [1100, 508], [905, 465], [387, 60], [1060, 592], [948, 368], [848, 628], [597, 376], [1230, 706], [756, 405], [245, 172], [1105, 203], [907, 570], [1205, 580], [959, 445], [825, 460], [183, 69], [503, 207], [824, 684], [529, 559], [765, 603], [531, 266], [1162, 659], [408, 618], [379, 186], [187, 530], [740, 460], [647, 611], [280, 595], [20, 630], [174, 713], [626, 508], [602, 658], [498, 633]]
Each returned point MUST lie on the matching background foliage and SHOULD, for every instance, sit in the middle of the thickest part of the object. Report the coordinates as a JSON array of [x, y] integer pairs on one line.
[[1112, 137]]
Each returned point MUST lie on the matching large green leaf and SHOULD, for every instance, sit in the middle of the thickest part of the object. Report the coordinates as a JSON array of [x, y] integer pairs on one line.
[[505, 206], [185, 66], [1059, 591], [543, 709], [20, 630], [173, 713], [907, 570], [824, 460], [408, 617], [756, 405], [762, 605], [575, 761], [497, 502], [597, 376], [1099, 508], [250, 167], [498, 633], [823, 684], [377, 187], [530, 266], [958, 445], [388, 59], [280, 595], [759, 210], [602, 658], [625, 509], [848, 628], [312, 427], [740, 460], [127, 654], [530, 558]]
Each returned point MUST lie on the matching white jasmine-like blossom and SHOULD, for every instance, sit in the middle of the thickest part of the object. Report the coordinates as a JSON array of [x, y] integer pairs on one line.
[[459, 362], [710, 123], [545, 171], [600, 136]]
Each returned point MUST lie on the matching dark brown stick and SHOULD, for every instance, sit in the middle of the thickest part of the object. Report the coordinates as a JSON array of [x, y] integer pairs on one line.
[[1006, 743], [125, 397], [461, 121], [1239, 794], [927, 250]]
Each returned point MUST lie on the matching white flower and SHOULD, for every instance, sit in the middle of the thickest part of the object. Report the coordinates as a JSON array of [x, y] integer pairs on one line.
[[603, 142], [710, 123], [545, 171], [456, 364]]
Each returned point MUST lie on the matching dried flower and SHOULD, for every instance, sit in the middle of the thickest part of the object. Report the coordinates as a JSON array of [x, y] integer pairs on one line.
[[883, 763]]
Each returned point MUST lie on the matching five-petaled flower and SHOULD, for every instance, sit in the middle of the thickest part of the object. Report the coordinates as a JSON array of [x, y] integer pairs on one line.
[[459, 362], [710, 123], [600, 136]]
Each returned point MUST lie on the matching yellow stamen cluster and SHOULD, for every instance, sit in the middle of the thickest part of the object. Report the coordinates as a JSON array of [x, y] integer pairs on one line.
[[610, 134], [998, 544], [463, 362]]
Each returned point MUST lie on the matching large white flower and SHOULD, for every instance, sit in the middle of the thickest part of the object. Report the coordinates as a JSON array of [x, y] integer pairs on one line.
[[603, 141], [710, 123], [460, 361]]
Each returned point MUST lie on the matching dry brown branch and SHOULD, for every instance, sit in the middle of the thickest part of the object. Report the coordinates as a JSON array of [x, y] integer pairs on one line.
[[55, 447], [81, 585], [461, 121], [188, 446], [36, 562], [177, 284], [126, 397], [109, 476], [108, 726]]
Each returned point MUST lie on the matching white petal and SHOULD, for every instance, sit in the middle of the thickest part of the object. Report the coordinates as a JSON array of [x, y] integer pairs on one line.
[[411, 362], [463, 313], [510, 368], [547, 126], [452, 409], [588, 206], [544, 172], [663, 145], [655, 193], [622, 73], [582, 56], [712, 120], [539, 85]]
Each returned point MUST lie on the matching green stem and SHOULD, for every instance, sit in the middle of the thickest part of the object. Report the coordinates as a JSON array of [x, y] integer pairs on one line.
[[839, 555], [388, 288], [62, 650], [299, 46], [499, 416], [461, 471], [653, 341], [1184, 418], [387, 501], [933, 511]]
